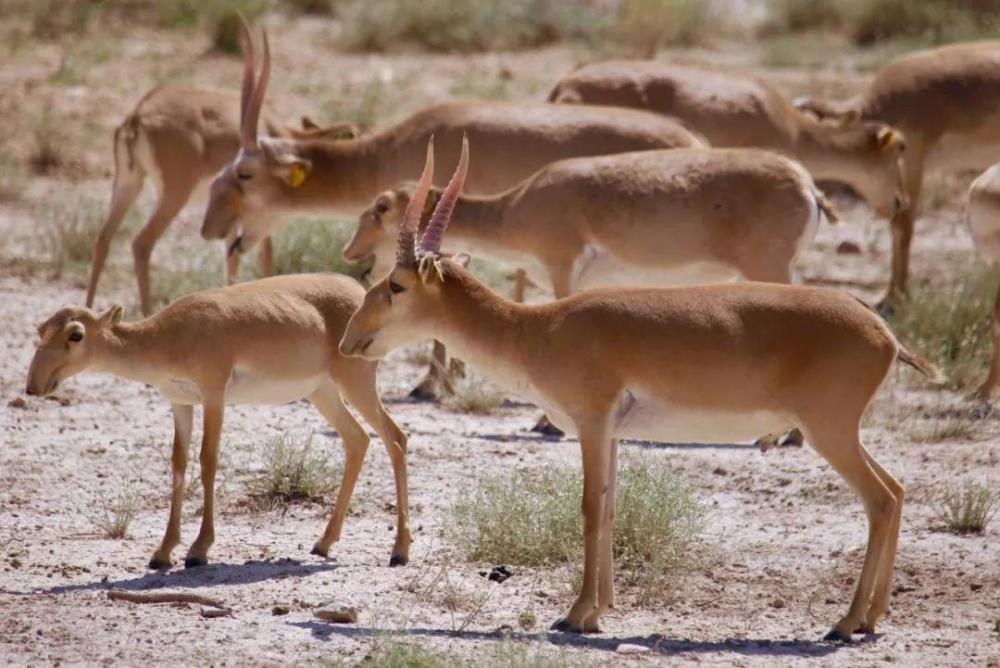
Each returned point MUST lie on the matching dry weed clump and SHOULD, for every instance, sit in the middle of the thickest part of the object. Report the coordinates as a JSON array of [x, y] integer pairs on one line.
[[950, 323], [68, 229], [471, 393], [112, 515], [968, 508], [293, 471], [534, 520]]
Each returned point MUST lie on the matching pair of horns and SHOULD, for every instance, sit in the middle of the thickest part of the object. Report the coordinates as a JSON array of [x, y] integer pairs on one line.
[[409, 251], [252, 95]]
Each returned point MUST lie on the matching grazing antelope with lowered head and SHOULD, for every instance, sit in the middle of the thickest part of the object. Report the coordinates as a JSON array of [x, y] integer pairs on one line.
[[984, 223], [269, 341], [272, 175], [732, 109], [946, 101], [178, 136], [706, 363]]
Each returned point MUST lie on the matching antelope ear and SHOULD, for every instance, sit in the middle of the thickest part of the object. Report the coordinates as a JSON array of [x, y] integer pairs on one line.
[[462, 259], [293, 170], [112, 316]]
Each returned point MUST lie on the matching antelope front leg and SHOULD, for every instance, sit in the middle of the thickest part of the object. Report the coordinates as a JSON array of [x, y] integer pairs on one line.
[[584, 616], [993, 378], [198, 552], [183, 422]]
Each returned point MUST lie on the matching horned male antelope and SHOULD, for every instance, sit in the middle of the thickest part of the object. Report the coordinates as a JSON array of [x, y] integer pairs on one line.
[[642, 218], [946, 101], [269, 341], [738, 110], [272, 175], [178, 136], [984, 223], [706, 364]]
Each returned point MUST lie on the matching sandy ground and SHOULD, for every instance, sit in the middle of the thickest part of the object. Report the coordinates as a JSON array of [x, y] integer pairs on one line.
[[784, 541]]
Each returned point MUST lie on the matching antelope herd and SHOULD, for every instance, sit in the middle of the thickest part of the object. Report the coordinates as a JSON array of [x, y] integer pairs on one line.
[[663, 206]]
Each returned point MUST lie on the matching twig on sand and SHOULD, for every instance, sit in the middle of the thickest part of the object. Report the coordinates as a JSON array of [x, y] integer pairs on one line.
[[163, 597]]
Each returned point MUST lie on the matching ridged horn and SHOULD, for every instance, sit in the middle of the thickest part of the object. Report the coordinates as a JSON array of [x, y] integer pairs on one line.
[[248, 124], [406, 243], [430, 241]]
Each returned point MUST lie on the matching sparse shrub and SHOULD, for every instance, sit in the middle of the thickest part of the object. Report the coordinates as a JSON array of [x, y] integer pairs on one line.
[[293, 471], [968, 508], [389, 652], [950, 323], [314, 245], [643, 26], [47, 146], [68, 229], [112, 515], [472, 393], [199, 267], [220, 18], [534, 520], [802, 15]]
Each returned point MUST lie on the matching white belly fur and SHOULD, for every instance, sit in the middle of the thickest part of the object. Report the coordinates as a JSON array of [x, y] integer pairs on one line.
[[246, 387], [596, 268], [643, 416]]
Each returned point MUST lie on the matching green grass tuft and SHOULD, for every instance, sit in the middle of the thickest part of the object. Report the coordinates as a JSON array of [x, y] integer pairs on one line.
[[312, 245], [112, 515], [293, 471]]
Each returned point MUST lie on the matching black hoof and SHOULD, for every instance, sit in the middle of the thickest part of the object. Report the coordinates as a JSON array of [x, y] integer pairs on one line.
[[836, 636], [158, 564], [546, 428], [562, 624], [793, 438], [318, 552], [421, 393], [398, 560], [195, 562]]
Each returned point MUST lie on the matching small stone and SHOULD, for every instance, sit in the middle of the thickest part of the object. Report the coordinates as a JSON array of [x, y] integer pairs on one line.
[[17, 402], [718, 470], [337, 615], [777, 603], [279, 610], [211, 612], [848, 248], [500, 573], [630, 648]]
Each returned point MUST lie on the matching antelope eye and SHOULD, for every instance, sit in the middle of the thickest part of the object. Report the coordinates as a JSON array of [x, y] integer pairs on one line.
[[381, 208], [76, 337], [244, 177], [395, 288]]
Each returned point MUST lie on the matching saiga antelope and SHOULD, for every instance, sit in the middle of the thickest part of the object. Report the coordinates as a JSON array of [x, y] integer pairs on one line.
[[707, 363], [647, 218], [269, 341], [946, 101], [179, 137], [272, 176], [738, 110], [984, 223]]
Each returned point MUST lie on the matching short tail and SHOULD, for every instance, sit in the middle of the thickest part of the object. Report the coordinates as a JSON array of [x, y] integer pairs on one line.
[[921, 364], [826, 207]]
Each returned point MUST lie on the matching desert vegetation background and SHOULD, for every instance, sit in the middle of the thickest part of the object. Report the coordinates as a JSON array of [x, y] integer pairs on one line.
[[726, 556]]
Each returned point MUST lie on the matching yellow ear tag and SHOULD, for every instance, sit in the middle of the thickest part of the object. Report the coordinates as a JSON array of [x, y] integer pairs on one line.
[[885, 139], [298, 176]]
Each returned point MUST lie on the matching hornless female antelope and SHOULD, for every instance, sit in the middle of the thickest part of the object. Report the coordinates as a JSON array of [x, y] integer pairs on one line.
[[180, 137], [642, 218], [706, 363], [271, 175], [264, 342], [946, 101], [984, 223], [738, 110]]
